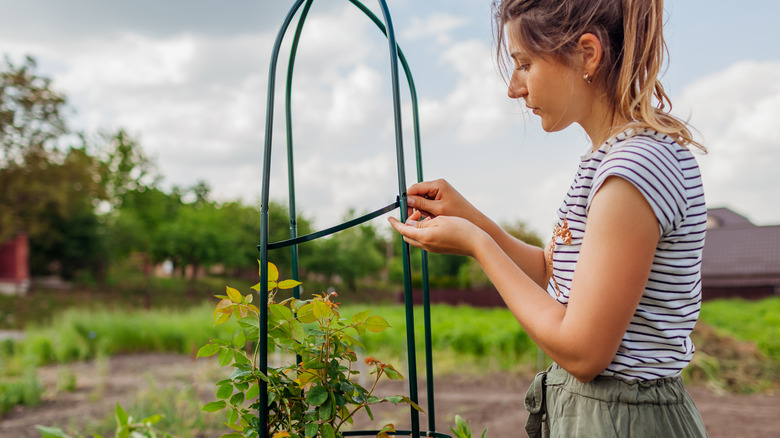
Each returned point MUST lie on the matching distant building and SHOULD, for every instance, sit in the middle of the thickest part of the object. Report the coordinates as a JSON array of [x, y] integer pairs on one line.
[[740, 259], [14, 268]]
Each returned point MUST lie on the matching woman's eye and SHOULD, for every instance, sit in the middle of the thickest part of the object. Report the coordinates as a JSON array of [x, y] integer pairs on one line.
[[522, 67]]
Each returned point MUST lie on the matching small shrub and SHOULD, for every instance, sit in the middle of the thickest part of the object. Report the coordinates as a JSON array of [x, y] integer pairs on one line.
[[25, 390]]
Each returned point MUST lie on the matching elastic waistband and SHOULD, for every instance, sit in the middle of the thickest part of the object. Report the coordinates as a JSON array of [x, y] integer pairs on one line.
[[668, 390]]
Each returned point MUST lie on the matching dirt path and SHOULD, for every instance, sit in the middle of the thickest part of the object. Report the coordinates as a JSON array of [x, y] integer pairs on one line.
[[493, 402]]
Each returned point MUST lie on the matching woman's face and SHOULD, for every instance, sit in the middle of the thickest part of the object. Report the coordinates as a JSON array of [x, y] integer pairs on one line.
[[551, 89]]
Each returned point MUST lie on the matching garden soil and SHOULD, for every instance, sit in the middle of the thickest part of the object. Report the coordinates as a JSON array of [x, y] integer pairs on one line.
[[493, 401]]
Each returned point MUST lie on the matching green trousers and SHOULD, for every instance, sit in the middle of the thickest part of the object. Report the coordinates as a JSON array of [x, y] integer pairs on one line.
[[561, 406]]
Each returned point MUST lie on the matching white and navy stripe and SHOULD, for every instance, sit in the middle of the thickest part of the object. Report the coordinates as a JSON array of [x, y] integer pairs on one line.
[[657, 343]]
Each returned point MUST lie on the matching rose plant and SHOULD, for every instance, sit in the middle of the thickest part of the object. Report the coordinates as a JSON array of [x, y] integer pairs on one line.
[[315, 394]]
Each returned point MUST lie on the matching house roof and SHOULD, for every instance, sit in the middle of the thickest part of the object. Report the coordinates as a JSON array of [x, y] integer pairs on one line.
[[738, 253], [723, 217]]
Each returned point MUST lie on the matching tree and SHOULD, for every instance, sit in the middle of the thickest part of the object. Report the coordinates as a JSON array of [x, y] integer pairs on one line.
[[30, 113], [30, 120], [51, 186], [351, 254], [472, 275]]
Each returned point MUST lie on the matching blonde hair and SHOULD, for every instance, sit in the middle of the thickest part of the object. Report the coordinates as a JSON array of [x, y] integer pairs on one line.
[[633, 46]]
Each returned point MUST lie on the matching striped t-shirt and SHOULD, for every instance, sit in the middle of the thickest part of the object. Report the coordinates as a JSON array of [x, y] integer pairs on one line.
[[657, 342]]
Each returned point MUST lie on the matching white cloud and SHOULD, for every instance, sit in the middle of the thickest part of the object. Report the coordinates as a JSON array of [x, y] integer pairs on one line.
[[437, 26], [477, 107], [736, 111]]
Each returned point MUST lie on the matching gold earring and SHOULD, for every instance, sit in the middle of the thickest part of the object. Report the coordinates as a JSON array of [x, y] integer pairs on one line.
[[587, 77]]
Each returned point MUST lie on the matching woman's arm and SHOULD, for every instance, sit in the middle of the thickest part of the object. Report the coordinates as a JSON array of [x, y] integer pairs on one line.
[[613, 267], [439, 198]]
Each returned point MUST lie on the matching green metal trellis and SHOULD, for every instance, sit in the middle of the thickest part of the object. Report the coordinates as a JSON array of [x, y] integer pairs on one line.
[[395, 56]]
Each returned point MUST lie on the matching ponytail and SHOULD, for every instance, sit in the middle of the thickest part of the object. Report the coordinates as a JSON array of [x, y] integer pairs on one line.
[[641, 96]]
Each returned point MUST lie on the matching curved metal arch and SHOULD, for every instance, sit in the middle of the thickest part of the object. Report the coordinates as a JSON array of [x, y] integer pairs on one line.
[[395, 55]]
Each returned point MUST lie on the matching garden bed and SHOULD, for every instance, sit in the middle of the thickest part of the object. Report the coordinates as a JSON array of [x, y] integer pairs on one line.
[[492, 401]]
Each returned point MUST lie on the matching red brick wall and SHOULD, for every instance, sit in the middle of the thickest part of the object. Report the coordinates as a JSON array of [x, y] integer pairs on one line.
[[14, 256]]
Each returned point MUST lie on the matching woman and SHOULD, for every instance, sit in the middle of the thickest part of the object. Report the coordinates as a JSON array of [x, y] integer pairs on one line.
[[614, 296]]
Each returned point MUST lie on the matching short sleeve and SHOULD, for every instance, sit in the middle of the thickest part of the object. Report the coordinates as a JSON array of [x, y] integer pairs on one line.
[[652, 166]]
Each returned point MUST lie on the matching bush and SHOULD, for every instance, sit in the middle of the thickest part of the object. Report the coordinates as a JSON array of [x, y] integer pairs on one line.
[[25, 390]]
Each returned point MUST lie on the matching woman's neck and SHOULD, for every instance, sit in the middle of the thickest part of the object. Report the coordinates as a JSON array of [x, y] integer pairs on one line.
[[602, 122]]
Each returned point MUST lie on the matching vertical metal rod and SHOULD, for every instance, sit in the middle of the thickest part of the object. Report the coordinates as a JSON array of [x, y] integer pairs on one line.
[[426, 288], [410, 342], [269, 119], [290, 156], [424, 254]]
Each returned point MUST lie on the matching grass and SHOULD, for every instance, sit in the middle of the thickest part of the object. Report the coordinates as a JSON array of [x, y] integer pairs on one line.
[[79, 334], [753, 321], [738, 342], [121, 292], [23, 390]]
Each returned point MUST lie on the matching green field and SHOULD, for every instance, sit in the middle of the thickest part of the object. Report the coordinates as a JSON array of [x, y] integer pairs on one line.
[[464, 338]]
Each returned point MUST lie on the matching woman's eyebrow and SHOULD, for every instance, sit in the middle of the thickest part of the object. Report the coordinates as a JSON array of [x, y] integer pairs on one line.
[[517, 55]]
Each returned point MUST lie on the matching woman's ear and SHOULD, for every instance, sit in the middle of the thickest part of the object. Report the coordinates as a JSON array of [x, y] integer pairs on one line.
[[591, 52]]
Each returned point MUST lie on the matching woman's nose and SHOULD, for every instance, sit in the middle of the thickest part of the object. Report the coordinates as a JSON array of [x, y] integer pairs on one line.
[[516, 89]]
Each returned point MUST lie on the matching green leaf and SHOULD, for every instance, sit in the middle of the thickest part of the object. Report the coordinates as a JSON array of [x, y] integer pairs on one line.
[[306, 313], [327, 431], [208, 350], [221, 318], [384, 432], [349, 340], [225, 357], [317, 396], [241, 358], [370, 414], [392, 373], [234, 295], [120, 415], [321, 310], [311, 429], [288, 284], [236, 427], [376, 323], [238, 373], [240, 340], [360, 316], [250, 322], [273, 272], [280, 311], [297, 331], [214, 406], [395, 399], [154, 419], [326, 410], [237, 399], [225, 391], [253, 392], [53, 432], [231, 415]]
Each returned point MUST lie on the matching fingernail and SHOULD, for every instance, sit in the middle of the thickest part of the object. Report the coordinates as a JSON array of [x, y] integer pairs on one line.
[[410, 201]]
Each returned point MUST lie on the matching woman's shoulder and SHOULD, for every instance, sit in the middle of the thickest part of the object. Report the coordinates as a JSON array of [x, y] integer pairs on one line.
[[647, 147], [645, 141]]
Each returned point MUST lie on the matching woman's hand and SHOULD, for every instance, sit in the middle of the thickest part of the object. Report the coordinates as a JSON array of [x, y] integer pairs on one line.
[[440, 234], [439, 198]]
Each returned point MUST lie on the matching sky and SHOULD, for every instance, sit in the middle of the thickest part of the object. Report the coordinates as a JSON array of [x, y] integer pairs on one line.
[[189, 80]]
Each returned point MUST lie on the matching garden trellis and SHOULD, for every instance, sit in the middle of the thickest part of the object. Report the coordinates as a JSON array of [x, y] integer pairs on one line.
[[396, 56]]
